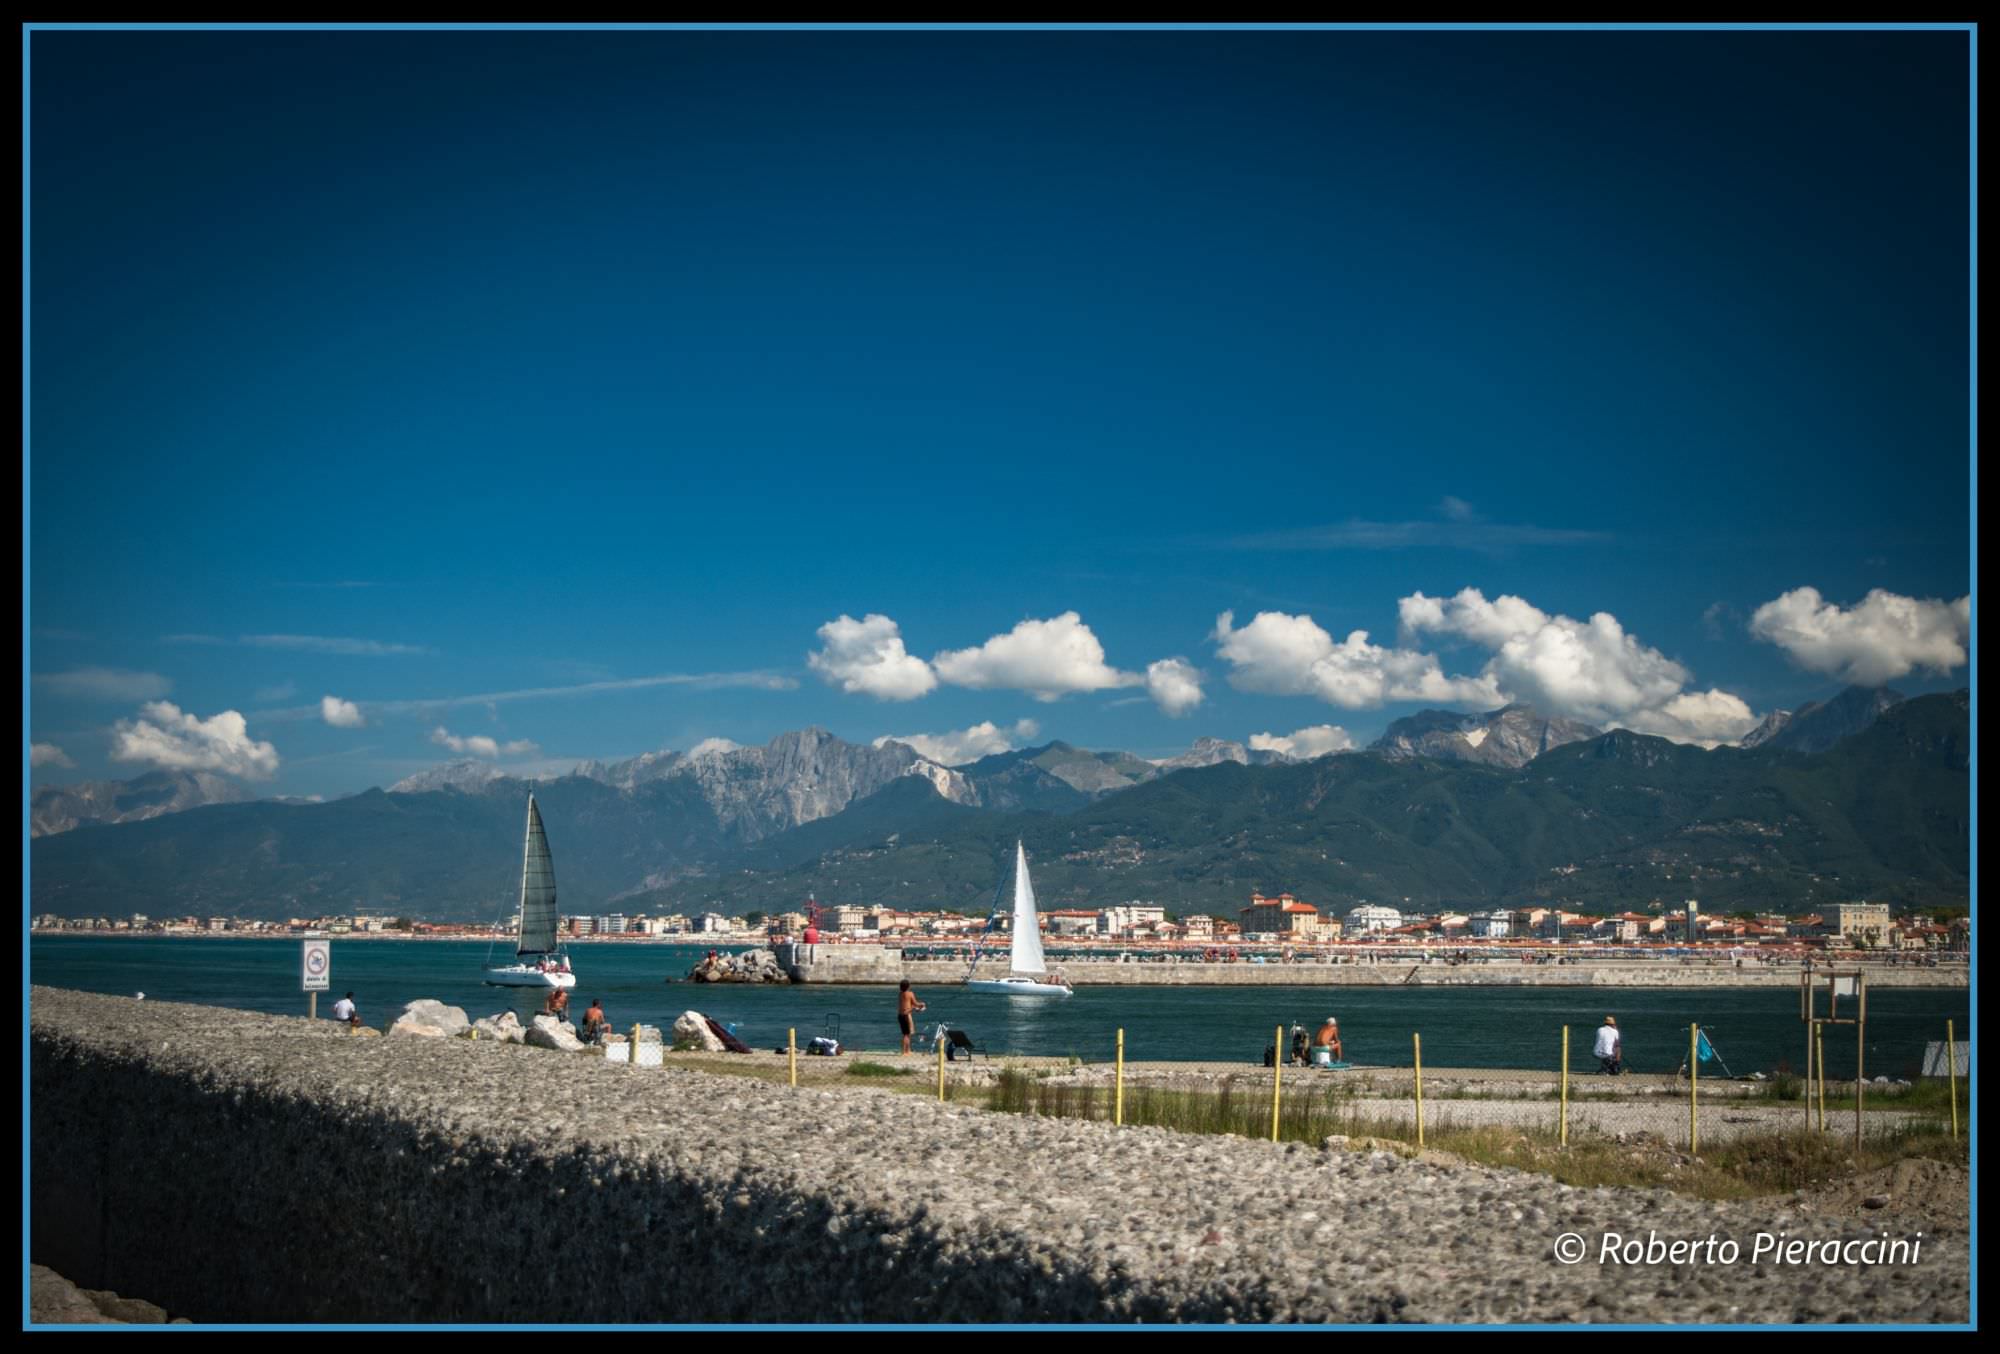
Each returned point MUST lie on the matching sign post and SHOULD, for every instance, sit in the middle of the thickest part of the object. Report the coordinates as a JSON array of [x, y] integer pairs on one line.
[[316, 973]]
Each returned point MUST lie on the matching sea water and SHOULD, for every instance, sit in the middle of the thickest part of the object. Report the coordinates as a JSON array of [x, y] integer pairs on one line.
[[1753, 1029]]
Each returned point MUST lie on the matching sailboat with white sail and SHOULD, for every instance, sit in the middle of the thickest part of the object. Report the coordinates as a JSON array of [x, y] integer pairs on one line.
[[1028, 974], [540, 961]]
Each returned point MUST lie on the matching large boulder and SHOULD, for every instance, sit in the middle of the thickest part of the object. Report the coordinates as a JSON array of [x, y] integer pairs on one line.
[[548, 1032], [691, 1031], [504, 1028], [430, 1019]]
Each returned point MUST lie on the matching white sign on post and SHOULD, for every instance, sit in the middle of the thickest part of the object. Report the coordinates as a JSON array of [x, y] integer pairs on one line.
[[318, 966], [1846, 985]]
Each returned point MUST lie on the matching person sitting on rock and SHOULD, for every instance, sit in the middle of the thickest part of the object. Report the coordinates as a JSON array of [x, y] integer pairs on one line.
[[595, 1022]]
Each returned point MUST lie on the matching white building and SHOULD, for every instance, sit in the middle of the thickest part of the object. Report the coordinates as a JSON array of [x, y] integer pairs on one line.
[[1371, 917], [1119, 920], [711, 923], [1495, 925]]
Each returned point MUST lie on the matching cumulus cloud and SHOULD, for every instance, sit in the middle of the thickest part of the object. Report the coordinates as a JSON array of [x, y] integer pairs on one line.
[[1884, 637], [1707, 718], [479, 745], [167, 737], [965, 745], [712, 747], [1315, 741], [1591, 670], [341, 714], [1175, 685], [1282, 655], [1047, 659], [868, 656], [106, 684], [48, 754]]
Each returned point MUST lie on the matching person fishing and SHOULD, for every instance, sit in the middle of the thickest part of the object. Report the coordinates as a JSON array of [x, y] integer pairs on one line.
[[1609, 1047], [906, 1007]]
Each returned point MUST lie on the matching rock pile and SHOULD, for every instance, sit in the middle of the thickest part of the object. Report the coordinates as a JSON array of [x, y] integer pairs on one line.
[[751, 966]]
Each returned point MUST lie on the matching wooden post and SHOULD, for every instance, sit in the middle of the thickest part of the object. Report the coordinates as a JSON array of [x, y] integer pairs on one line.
[[632, 1048], [1694, 1075], [940, 1056], [1813, 1029], [1562, 1123], [1277, 1075], [1819, 1038], [312, 1006], [1417, 1042], [1860, 1026], [1951, 1074], [1118, 1095], [792, 1053]]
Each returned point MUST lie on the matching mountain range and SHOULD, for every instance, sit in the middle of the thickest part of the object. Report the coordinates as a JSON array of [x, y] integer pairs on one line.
[[1444, 809]]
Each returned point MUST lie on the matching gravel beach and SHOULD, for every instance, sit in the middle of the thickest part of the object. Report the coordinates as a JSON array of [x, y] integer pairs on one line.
[[454, 1180]]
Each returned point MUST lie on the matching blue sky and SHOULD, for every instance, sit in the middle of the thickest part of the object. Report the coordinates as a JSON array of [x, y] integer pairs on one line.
[[419, 367]]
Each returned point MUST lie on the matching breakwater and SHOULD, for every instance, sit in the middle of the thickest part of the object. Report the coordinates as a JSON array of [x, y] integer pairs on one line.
[[886, 964], [241, 1167]]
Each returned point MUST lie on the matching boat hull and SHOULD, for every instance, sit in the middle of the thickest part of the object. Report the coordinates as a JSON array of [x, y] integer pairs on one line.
[[523, 975], [1016, 987]]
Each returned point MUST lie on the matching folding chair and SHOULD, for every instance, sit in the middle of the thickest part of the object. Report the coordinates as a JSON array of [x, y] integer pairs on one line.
[[960, 1040]]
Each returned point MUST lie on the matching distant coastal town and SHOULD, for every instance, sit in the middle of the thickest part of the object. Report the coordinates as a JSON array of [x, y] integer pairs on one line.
[[1282, 920]]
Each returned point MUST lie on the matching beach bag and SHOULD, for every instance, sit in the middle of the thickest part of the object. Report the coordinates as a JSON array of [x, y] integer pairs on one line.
[[822, 1046]]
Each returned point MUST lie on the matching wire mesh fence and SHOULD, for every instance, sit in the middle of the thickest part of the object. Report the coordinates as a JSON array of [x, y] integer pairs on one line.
[[1575, 1098]]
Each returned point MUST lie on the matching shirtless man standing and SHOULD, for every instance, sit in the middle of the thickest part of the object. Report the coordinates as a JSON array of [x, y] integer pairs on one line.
[[906, 1007]]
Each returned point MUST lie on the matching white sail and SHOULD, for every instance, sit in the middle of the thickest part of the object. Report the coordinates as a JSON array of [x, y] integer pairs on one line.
[[1027, 929], [538, 889]]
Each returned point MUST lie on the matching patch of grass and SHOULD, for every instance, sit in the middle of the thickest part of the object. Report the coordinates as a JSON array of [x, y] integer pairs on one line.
[[878, 1070]]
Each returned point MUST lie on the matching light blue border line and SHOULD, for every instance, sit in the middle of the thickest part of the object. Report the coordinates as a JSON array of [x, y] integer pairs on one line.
[[1012, 28], [1973, 561], [27, 712], [1972, 655]]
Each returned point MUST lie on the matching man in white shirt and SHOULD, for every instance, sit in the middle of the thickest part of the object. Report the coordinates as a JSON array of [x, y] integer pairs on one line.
[[344, 1010], [1608, 1047]]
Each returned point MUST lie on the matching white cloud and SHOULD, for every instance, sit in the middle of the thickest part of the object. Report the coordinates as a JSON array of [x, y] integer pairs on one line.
[[327, 644], [341, 714], [868, 656], [1281, 655], [1175, 685], [1590, 670], [479, 745], [48, 754], [1707, 718], [712, 747], [1316, 741], [965, 745], [1885, 637], [106, 684], [1047, 659], [165, 736]]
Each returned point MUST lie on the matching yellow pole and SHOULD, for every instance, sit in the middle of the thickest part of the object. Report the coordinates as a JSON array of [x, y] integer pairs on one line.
[[1694, 1074], [1277, 1074], [1951, 1074], [1417, 1042], [1118, 1096], [1562, 1132], [792, 1052], [632, 1049], [1808, 1096], [940, 1053]]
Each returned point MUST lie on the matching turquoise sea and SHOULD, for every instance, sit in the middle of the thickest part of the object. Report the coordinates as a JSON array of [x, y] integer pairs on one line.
[[1461, 1027]]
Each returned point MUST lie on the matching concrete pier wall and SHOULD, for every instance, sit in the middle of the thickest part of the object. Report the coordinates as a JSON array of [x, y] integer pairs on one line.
[[885, 964]]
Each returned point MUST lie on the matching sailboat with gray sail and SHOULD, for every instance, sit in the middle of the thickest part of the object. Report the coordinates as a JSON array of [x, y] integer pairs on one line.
[[540, 962]]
